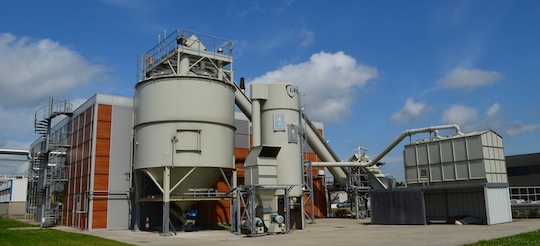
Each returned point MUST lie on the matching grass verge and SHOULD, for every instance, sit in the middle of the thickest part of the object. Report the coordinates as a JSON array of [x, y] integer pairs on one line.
[[523, 239], [45, 236]]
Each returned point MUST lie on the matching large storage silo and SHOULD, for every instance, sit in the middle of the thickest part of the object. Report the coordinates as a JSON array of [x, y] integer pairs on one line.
[[184, 119], [177, 126]]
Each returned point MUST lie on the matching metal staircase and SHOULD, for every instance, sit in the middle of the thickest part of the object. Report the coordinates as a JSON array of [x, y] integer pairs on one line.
[[48, 173]]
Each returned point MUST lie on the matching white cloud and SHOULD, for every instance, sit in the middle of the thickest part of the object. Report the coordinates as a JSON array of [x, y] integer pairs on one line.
[[15, 122], [469, 78], [493, 110], [10, 144], [328, 81], [13, 167], [459, 114], [307, 38], [254, 8], [411, 112], [468, 118], [32, 70], [517, 127]]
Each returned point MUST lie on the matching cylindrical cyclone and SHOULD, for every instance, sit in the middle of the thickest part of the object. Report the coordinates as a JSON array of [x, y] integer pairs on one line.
[[184, 122], [280, 122]]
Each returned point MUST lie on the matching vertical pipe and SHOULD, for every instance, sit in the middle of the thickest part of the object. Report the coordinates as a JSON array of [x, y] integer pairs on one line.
[[166, 200], [184, 65], [220, 70], [256, 122]]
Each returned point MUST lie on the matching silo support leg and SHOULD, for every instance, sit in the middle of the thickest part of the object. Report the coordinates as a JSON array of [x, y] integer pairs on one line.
[[166, 201]]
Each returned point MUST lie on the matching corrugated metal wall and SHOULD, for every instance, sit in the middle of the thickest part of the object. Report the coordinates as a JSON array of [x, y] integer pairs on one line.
[[498, 205], [441, 204], [397, 207], [483, 202]]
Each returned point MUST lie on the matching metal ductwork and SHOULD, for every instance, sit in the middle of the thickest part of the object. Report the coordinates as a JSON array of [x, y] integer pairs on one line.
[[314, 139]]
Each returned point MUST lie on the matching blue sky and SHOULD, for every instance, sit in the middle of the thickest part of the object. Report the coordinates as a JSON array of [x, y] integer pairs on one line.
[[369, 69]]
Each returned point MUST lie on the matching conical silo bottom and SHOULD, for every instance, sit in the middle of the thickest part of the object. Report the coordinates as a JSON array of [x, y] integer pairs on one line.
[[194, 183]]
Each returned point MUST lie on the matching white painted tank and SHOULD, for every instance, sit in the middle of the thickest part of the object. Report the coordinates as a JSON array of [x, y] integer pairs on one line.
[[184, 122], [280, 116]]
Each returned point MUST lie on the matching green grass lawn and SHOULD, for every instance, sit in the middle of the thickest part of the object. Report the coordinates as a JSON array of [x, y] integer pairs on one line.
[[45, 236], [523, 239]]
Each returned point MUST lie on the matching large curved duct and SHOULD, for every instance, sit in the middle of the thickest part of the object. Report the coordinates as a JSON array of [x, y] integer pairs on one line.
[[323, 150], [411, 132]]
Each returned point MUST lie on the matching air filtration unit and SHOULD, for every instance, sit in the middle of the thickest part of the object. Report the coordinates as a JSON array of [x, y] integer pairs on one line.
[[274, 166], [278, 107], [471, 157], [462, 175]]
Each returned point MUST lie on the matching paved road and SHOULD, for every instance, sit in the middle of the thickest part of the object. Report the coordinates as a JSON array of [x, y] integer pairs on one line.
[[331, 232]]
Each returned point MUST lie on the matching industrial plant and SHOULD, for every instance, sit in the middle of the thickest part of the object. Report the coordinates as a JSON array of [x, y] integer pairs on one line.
[[192, 149]]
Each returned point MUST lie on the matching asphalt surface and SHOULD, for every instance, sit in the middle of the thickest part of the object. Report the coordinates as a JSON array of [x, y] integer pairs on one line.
[[331, 232]]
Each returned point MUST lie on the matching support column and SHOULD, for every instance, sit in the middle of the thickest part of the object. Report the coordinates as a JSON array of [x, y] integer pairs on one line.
[[166, 201], [356, 215], [234, 201]]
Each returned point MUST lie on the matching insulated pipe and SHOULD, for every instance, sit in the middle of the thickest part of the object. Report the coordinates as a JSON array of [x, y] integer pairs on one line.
[[337, 164], [323, 150], [409, 133], [184, 65], [15, 152], [242, 101], [256, 122]]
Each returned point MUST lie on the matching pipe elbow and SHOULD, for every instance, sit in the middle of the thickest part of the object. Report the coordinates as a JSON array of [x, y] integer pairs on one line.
[[458, 129]]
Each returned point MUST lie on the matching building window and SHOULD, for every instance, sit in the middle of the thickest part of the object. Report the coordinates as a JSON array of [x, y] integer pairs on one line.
[[518, 171]]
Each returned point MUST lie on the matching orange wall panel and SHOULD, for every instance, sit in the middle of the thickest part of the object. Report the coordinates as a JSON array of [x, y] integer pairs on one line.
[[103, 147], [99, 219], [215, 212], [101, 182], [100, 204], [102, 165], [104, 112], [103, 129], [240, 153]]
